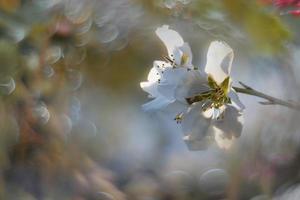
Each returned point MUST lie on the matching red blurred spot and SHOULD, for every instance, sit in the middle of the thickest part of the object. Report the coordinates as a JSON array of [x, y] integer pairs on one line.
[[285, 3], [63, 28], [294, 12]]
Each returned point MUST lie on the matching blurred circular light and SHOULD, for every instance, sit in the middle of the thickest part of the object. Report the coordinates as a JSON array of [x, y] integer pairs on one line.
[[66, 124], [17, 33], [108, 33], [84, 27], [102, 18], [170, 3], [32, 61], [75, 79], [83, 39], [41, 112], [91, 128], [7, 85], [104, 196], [185, 2], [75, 56], [260, 197], [48, 71], [118, 44], [178, 179], [53, 54], [214, 181], [78, 11], [46, 4], [75, 109]]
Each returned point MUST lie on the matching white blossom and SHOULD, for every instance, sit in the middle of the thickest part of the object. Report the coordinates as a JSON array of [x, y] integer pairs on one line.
[[209, 109], [179, 52]]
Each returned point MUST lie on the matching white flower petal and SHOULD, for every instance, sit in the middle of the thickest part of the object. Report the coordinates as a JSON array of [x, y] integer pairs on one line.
[[232, 123], [170, 79], [190, 85], [208, 114], [195, 127], [167, 90], [215, 113], [197, 144], [170, 38], [179, 83], [154, 75], [174, 76], [235, 100], [222, 141], [151, 88], [161, 65], [226, 131], [176, 56], [186, 50], [174, 109], [157, 103], [219, 60]]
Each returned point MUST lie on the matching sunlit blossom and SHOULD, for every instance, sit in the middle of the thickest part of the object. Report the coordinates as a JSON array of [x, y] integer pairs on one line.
[[208, 109]]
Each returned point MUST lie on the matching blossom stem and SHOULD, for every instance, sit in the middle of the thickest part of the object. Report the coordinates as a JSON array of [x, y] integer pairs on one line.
[[270, 100]]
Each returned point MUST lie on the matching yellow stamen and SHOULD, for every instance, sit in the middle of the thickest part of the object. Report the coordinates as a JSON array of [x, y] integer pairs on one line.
[[184, 59]]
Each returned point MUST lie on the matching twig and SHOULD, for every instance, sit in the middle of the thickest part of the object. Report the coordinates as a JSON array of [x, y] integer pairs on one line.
[[270, 100]]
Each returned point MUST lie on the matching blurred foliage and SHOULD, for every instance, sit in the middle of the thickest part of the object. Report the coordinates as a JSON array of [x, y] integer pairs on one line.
[[10, 5], [9, 58], [266, 29]]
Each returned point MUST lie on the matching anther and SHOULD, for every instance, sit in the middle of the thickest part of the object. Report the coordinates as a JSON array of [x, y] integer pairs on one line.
[[178, 118]]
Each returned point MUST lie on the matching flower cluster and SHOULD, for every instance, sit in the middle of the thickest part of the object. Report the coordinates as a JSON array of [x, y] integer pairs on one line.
[[202, 99]]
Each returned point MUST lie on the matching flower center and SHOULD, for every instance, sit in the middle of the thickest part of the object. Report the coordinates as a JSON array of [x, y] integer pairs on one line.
[[215, 97]]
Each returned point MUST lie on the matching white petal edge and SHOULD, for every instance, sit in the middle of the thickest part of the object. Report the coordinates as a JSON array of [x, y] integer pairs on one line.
[[170, 38], [227, 132], [229, 128], [154, 75], [186, 49], [167, 90], [219, 60], [150, 87], [235, 100], [161, 65], [156, 104], [194, 123], [221, 141]]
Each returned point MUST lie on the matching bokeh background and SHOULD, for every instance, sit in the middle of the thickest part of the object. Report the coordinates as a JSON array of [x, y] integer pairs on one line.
[[71, 123]]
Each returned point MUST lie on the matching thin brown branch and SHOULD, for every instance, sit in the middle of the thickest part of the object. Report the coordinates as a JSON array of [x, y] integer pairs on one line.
[[270, 100]]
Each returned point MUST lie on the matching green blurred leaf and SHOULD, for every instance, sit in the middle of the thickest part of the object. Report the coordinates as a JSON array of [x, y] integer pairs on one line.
[[8, 57], [265, 29]]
